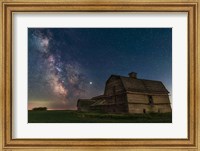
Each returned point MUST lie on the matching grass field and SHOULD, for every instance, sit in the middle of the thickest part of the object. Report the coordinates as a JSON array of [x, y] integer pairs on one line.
[[66, 116]]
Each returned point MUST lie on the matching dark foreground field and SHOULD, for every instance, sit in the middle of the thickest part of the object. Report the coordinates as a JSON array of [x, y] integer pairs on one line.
[[86, 117]]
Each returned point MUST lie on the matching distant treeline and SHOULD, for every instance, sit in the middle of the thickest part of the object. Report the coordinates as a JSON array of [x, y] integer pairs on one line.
[[40, 109]]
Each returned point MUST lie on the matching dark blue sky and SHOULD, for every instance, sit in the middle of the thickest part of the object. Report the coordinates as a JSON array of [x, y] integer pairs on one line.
[[65, 64]]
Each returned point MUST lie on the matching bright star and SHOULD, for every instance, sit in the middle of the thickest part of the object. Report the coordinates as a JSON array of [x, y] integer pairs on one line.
[[90, 82]]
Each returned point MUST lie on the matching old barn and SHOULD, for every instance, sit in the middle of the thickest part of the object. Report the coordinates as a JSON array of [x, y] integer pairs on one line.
[[129, 95]]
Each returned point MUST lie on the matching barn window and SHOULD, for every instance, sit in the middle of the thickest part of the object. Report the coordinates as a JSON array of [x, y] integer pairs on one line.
[[150, 100]]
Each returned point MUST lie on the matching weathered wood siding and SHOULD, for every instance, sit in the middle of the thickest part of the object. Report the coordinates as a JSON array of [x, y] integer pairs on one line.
[[140, 103], [138, 108], [115, 108], [142, 108], [139, 98], [164, 108], [120, 99], [136, 98], [161, 99], [113, 86]]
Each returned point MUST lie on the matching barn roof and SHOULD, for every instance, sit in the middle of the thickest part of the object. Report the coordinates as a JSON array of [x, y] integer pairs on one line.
[[100, 102], [98, 97], [142, 85], [85, 102]]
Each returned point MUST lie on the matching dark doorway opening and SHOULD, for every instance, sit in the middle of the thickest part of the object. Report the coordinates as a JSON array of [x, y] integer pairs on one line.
[[144, 110]]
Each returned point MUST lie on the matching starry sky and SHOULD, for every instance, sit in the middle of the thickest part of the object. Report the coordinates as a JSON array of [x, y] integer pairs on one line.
[[65, 64]]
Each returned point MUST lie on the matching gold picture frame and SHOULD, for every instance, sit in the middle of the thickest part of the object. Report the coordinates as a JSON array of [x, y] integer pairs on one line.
[[8, 7]]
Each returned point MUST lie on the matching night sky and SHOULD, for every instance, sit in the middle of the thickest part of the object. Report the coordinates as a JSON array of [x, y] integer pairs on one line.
[[65, 64]]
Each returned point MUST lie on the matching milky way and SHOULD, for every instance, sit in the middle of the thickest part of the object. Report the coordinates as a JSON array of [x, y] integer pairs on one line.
[[65, 64], [64, 78]]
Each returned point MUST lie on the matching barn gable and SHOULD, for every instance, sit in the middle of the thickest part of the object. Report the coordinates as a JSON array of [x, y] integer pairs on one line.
[[114, 86]]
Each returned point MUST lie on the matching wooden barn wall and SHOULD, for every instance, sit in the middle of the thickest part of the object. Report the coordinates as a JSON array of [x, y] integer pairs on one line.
[[136, 108], [161, 99], [117, 99], [120, 99], [113, 83], [139, 98], [164, 108], [119, 108], [135, 98], [141, 108]]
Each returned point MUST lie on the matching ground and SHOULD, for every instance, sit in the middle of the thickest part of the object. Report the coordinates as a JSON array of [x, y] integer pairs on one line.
[[66, 116]]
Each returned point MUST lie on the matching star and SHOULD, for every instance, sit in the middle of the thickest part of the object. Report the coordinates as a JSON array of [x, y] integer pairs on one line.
[[90, 83]]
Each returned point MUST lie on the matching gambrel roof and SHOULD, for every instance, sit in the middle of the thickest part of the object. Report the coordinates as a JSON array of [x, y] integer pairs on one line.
[[141, 85]]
